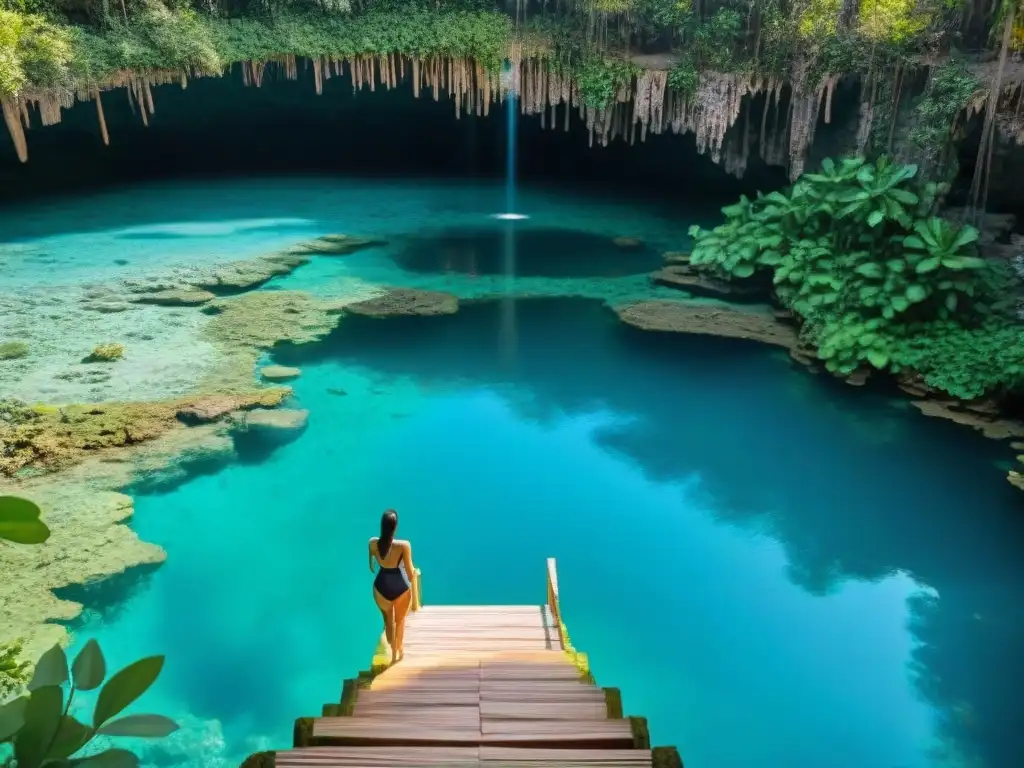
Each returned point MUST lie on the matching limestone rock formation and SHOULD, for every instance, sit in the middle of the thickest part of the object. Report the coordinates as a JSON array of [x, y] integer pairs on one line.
[[176, 297], [407, 301], [334, 245], [279, 372], [285, 419], [628, 242], [48, 438], [241, 275], [722, 320], [687, 278]]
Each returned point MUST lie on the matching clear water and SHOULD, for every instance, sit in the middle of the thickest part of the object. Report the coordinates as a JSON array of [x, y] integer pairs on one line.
[[774, 569]]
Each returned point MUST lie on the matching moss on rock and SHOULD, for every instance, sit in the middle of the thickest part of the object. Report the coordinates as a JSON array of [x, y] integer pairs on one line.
[[105, 353], [406, 301], [12, 350], [47, 438]]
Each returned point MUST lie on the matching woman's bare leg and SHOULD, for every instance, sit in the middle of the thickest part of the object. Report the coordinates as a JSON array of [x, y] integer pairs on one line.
[[387, 611], [401, 606]]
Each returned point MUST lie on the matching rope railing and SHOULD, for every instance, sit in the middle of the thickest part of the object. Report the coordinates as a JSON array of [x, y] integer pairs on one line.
[[554, 606]]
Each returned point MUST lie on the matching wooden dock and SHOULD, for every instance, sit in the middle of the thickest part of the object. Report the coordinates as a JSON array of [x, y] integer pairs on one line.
[[480, 685]]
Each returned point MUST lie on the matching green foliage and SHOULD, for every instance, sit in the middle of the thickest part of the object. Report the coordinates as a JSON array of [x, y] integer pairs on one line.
[[600, 78], [715, 41], [951, 86], [684, 76], [20, 523], [44, 733], [878, 279], [13, 671], [33, 51]]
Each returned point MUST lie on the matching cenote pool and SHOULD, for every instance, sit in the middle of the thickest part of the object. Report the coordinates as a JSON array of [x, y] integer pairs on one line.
[[775, 569]]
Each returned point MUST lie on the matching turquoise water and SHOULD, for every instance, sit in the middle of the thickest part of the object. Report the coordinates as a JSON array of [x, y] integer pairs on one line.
[[774, 568]]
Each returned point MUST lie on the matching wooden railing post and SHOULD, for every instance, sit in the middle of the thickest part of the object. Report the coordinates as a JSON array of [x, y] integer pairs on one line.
[[553, 604], [417, 589]]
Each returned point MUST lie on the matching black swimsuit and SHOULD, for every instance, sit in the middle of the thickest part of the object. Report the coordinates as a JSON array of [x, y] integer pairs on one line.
[[390, 582]]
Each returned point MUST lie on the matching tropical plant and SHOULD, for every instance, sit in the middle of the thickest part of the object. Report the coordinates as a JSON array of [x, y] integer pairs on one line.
[[42, 729], [20, 523], [39, 725], [857, 252]]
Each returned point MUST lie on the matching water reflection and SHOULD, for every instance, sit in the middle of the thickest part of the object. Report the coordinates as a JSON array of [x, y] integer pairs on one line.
[[884, 494]]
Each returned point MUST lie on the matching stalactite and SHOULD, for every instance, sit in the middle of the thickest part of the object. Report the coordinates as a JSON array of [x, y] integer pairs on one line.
[[318, 78], [12, 117], [102, 119]]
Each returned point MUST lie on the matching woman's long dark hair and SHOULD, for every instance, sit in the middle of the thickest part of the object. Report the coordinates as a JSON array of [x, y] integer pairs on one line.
[[388, 524]]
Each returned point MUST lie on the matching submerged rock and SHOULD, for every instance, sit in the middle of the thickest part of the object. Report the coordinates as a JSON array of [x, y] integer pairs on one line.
[[407, 301], [13, 350], [676, 257], [334, 245], [210, 408], [241, 275], [687, 278], [176, 297], [628, 242], [279, 372], [277, 419], [679, 317]]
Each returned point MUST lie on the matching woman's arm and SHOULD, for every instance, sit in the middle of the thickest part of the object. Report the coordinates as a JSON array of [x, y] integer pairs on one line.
[[410, 570], [371, 555]]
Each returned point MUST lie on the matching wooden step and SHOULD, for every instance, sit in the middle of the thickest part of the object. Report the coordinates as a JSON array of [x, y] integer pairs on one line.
[[416, 698], [570, 758], [454, 726], [582, 734], [582, 709], [432, 757], [372, 757]]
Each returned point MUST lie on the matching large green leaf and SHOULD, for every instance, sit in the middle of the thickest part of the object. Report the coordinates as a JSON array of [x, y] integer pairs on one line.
[[928, 265], [903, 196], [912, 241], [42, 720], [125, 687], [71, 737], [112, 758], [878, 359], [51, 669], [965, 236], [869, 270], [143, 726], [916, 293], [951, 302], [90, 667], [743, 270], [875, 218], [12, 717], [20, 523]]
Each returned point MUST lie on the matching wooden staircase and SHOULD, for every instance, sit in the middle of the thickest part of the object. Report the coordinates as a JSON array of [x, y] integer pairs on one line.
[[495, 685]]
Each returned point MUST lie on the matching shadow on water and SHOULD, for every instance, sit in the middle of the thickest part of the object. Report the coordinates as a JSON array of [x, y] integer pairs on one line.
[[539, 252], [890, 500], [105, 599]]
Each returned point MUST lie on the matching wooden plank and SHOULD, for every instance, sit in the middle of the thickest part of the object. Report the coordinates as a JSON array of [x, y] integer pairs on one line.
[[591, 758], [526, 670], [585, 709], [413, 644], [426, 684], [374, 757], [591, 734], [507, 630], [539, 690], [416, 698], [429, 609], [440, 716], [350, 731]]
